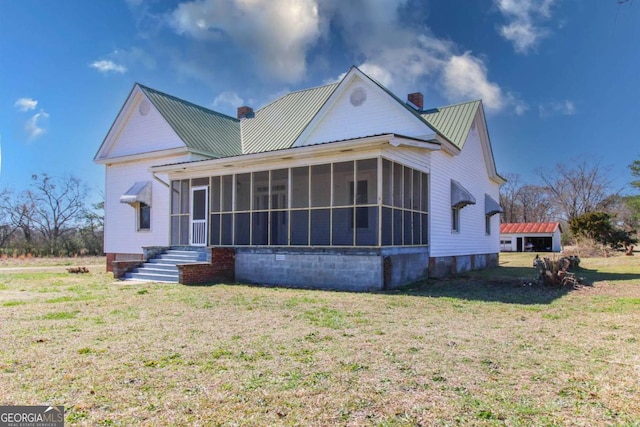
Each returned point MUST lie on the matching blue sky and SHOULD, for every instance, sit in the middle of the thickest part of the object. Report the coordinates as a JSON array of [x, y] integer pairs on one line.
[[560, 79]]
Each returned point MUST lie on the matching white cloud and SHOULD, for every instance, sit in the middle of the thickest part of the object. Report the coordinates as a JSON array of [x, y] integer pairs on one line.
[[523, 28], [25, 104], [465, 76], [378, 73], [105, 66], [384, 38], [227, 101], [278, 33], [562, 108], [34, 126]]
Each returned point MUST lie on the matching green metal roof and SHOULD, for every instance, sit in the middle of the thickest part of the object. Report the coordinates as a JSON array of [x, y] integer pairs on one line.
[[278, 125], [453, 121], [201, 129]]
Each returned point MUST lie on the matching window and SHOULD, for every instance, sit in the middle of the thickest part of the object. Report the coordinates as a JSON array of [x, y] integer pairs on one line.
[[144, 217], [487, 225], [455, 220]]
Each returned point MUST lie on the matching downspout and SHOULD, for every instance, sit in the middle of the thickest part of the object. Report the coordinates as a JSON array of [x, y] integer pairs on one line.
[[159, 180]]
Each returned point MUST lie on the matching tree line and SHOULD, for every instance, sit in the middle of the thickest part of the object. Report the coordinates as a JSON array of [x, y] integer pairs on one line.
[[50, 218], [580, 197]]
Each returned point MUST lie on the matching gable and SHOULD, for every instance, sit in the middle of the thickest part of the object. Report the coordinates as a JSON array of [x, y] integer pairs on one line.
[[202, 130], [359, 108], [151, 121], [139, 128]]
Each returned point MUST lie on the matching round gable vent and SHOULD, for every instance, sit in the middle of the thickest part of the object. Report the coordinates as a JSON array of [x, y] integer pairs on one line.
[[358, 96], [144, 107]]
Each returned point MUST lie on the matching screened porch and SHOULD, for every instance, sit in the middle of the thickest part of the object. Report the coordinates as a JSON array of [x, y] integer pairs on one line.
[[372, 202]]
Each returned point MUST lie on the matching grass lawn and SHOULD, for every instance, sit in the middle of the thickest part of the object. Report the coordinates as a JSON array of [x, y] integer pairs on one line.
[[485, 349]]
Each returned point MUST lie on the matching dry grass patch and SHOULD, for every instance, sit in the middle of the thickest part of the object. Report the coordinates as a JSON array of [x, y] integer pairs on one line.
[[484, 349]]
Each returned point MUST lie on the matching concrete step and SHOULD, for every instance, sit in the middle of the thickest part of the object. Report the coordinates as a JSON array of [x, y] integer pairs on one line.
[[148, 277], [159, 266]]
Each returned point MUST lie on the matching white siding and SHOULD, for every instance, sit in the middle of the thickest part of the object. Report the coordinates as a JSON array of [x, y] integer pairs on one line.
[[143, 133], [470, 170], [378, 114], [121, 234]]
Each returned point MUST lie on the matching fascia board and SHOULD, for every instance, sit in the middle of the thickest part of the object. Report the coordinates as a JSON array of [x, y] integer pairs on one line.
[[143, 156], [308, 151]]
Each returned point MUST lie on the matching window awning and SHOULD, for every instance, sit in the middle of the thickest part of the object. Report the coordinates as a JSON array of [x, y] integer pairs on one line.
[[460, 197], [491, 207], [140, 192]]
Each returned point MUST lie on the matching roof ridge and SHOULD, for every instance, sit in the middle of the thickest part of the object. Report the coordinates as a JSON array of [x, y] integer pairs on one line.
[[296, 92], [184, 101], [430, 110]]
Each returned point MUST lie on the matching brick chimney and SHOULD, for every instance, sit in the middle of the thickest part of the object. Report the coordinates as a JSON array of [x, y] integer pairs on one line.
[[417, 99], [245, 112]]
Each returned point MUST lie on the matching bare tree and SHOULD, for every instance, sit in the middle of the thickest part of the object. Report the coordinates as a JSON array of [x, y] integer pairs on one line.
[[509, 199], [15, 214], [578, 189], [525, 203], [57, 204], [536, 205]]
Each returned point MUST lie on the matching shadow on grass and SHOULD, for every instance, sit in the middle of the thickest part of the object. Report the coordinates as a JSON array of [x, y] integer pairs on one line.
[[510, 285]]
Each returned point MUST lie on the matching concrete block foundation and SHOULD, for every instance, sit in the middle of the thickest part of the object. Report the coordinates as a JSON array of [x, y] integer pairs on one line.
[[345, 269]]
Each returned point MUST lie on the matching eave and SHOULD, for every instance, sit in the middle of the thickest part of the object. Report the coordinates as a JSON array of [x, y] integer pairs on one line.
[[304, 152]]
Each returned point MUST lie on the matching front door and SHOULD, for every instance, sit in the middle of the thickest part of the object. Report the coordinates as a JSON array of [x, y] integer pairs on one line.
[[199, 208]]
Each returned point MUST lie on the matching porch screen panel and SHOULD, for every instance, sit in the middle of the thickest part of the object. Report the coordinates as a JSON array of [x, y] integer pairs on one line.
[[367, 172], [280, 189], [367, 236], [227, 193], [243, 192], [300, 227], [415, 198], [397, 227], [407, 190], [215, 194], [407, 227], [320, 227], [226, 230], [279, 228], [417, 228], [260, 230], [214, 231], [342, 182], [175, 197], [387, 227], [320, 186], [184, 230], [387, 182], [260, 191], [397, 185], [425, 229], [260, 206], [300, 187], [184, 196], [342, 227], [424, 193], [175, 230], [242, 228]]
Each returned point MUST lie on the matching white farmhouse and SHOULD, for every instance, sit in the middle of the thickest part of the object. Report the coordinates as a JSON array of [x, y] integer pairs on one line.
[[341, 186]]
